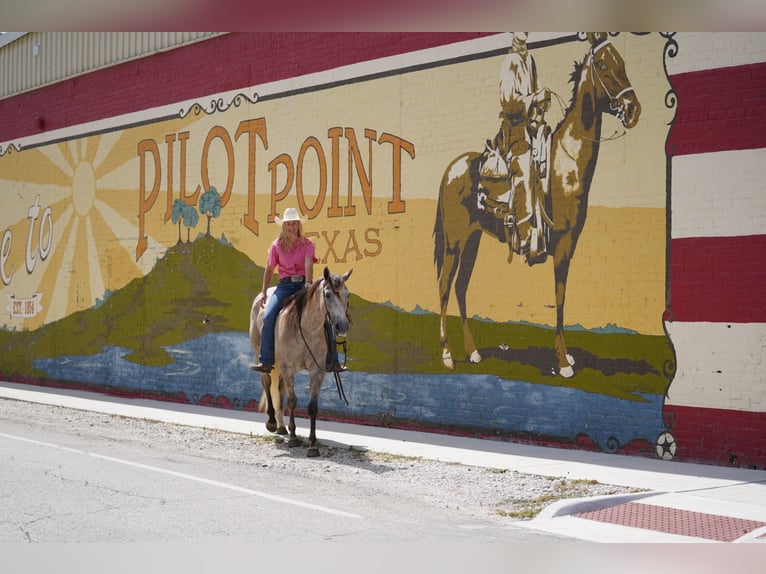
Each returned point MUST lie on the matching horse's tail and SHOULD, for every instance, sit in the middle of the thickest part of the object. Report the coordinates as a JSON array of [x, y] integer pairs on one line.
[[440, 241]]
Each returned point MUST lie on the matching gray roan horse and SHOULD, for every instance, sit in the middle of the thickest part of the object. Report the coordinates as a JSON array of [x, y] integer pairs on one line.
[[300, 344], [601, 85]]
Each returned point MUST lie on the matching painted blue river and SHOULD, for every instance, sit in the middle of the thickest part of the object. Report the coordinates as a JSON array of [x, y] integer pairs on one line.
[[218, 364]]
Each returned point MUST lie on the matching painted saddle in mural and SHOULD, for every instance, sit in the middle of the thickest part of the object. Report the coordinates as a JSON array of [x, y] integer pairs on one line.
[[512, 192]]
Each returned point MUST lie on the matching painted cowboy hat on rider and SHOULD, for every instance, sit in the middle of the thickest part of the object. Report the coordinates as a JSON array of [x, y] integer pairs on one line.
[[290, 214]]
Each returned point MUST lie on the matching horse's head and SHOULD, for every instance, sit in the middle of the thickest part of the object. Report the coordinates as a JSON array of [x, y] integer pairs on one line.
[[611, 80], [335, 295]]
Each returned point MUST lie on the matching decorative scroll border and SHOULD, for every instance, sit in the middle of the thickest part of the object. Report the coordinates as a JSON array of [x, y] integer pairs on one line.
[[218, 105], [12, 147]]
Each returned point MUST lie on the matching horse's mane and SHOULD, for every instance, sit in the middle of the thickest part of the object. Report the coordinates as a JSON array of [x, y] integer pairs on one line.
[[296, 303], [574, 79]]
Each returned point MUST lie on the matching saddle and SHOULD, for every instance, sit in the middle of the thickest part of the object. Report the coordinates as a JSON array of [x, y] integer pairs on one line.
[[494, 183]]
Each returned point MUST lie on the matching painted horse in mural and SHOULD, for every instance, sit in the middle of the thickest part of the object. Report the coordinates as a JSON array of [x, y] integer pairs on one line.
[[300, 344], [601, 86]]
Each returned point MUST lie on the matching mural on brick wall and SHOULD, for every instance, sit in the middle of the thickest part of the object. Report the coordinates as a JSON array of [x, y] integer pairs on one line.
[[508, 240]]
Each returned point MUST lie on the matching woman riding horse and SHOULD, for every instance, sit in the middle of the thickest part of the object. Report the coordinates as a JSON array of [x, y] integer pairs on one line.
[[301, 346], [292, 254]]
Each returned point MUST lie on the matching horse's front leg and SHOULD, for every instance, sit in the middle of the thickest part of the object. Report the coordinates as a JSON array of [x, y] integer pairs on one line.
[[271, 423], [467, 261], [446, 353], [560, 272], [313, 409], [445, 278], [565, 360], [278, 393], [292, 402]]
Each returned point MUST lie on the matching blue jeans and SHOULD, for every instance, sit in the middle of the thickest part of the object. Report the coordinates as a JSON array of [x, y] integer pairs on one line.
[[274, 304]]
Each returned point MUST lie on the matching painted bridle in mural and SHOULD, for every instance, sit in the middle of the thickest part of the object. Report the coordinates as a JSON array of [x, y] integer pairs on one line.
[[609, 69], [601, 86]]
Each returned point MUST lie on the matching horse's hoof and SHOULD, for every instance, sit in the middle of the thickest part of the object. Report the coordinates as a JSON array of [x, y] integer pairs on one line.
[[570, 359], [312, 452], [271, 427], [281, 430], [567, 372], [447, 359], [475, 357], [293, 442]]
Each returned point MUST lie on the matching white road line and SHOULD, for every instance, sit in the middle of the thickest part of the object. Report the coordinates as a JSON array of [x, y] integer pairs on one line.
[[41, 443], [201, 480]]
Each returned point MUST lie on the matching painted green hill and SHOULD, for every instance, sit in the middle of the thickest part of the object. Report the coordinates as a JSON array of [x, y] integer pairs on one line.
[[208, 286], [192, 282]]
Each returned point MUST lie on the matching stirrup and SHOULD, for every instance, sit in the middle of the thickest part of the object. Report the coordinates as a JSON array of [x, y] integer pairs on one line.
[[262, 368], [336, 368]]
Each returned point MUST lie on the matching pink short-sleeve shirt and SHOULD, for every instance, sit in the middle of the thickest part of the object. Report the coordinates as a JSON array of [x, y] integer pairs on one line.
[[291, 262]]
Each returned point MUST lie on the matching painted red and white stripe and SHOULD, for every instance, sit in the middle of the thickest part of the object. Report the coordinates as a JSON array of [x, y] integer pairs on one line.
[[717, 401]]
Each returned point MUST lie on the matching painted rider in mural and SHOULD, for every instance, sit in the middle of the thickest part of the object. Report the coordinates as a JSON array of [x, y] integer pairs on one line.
[[522, 136]]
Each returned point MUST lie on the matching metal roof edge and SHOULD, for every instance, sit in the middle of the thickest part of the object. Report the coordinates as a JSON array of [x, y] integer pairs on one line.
[[8, 37]]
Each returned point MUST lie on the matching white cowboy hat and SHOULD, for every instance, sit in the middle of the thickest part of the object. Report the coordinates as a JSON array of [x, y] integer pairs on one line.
[[291, 214]]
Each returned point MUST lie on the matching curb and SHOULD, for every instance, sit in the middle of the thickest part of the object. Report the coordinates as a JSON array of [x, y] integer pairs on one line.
[[576, 505]]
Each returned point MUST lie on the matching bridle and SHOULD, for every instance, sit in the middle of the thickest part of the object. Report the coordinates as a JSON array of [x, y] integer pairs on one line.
[[327, 292], [614, 100]]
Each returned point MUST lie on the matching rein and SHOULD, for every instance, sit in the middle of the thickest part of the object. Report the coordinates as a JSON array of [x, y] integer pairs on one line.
[[613, 100], [338, 382]]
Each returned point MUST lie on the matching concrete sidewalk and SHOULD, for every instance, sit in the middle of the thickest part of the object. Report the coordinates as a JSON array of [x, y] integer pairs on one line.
[[685, 502]]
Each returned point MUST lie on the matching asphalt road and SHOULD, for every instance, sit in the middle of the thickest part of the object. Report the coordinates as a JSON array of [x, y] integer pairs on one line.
[[72, 476]]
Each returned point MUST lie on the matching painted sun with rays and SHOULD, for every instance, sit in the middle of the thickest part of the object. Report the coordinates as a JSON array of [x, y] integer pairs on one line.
[[92, 246]]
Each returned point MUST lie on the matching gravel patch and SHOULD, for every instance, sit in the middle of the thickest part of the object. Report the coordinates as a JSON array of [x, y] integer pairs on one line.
[[476, 490]]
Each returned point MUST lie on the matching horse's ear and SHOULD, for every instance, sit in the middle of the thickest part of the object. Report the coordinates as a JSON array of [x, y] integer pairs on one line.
[[347, 274], [596, 38], [326, 274]]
